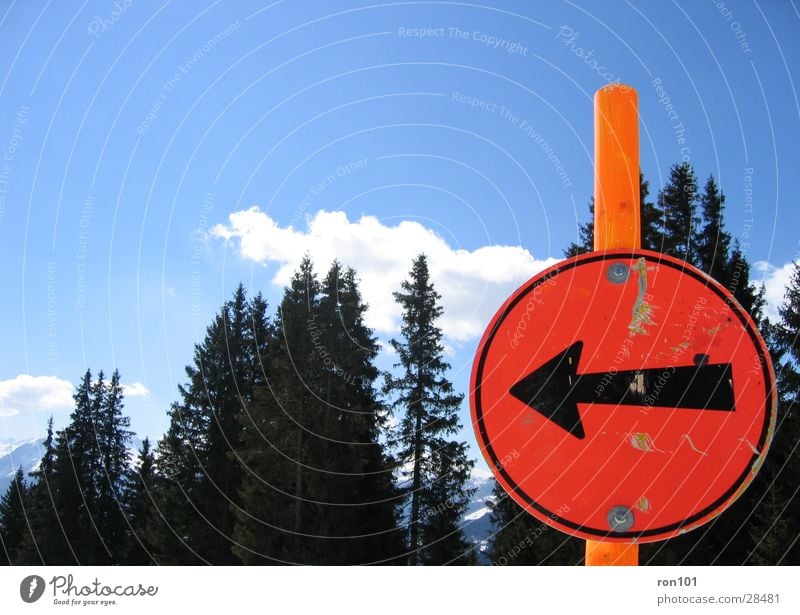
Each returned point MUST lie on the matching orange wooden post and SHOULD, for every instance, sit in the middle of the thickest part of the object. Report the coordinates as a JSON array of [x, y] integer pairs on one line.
[[616, 168], [617, 224], [599, 553]]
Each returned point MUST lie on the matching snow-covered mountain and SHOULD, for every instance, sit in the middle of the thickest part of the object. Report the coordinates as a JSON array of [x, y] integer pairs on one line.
[[28, 453], [477, 523], [25, 453]]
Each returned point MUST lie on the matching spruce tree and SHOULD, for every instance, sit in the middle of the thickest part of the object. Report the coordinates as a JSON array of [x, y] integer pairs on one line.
[[296, 378], [45, 541], [651, 218], [198, 460], [319, 488], [172, 527], [678, 201], [438, 466], [773, 531], [776, 530], [520, 539], [13, 521], [111, 449], [713, 241], [75, 511], [724, 259], [264, 532], [738, 284], [328, 448], [139, 507], [443, 502], [276, 512], [76, 476], [787, 335], [358, 484], [89, 473]]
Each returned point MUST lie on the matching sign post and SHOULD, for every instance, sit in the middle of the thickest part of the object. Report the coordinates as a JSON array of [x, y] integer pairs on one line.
[[617, 224], [622, 396]]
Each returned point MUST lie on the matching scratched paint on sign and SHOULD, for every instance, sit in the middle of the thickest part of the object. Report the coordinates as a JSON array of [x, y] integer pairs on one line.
[[642, 310], [643, 442]]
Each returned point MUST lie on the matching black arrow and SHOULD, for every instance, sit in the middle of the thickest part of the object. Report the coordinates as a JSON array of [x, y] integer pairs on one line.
[[555, 389]]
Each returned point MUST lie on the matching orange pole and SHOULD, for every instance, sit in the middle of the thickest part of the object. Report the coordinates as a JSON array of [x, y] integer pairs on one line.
[[616, 168], [599, 553], [617, 224]]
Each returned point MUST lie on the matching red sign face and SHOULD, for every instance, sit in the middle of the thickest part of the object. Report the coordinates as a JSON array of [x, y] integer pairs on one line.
[[623, 395]]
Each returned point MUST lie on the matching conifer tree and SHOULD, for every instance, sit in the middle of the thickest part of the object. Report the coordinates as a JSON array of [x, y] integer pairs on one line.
[[775, 531], [359, 481], [319, 488], [45, 541], [198, 461], [76, 476], [678, 201], [520, 539], [13, 521], [264, 529], [139, 507], [76, 515], [438, 466], [296, 377], [722, 257], [739, 285], [111, 435], [173, 526], [443, 502], [651, 218], [787, 336], [713, 241], [276, 512]]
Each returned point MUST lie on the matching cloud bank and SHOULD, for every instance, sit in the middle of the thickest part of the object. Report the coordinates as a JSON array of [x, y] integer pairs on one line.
[[26, 393], [473, 284], [135, 389]]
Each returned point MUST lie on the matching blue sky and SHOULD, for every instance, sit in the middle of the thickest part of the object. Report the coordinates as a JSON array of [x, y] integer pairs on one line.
[[153, 155]]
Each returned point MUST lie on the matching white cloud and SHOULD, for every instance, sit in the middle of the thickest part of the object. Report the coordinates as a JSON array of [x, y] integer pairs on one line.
[[26, 392], [135, 389], [776, 280], [473, 284]]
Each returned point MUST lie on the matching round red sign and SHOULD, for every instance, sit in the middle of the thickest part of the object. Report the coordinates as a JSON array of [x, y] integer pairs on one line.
[[623, 395]]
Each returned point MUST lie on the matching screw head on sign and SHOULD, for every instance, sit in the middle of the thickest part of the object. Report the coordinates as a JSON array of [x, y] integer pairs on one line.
[[617, 273], [620, 518]]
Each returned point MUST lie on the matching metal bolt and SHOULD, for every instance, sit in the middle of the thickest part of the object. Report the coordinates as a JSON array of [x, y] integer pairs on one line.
[[617, 273], [620, 518]]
